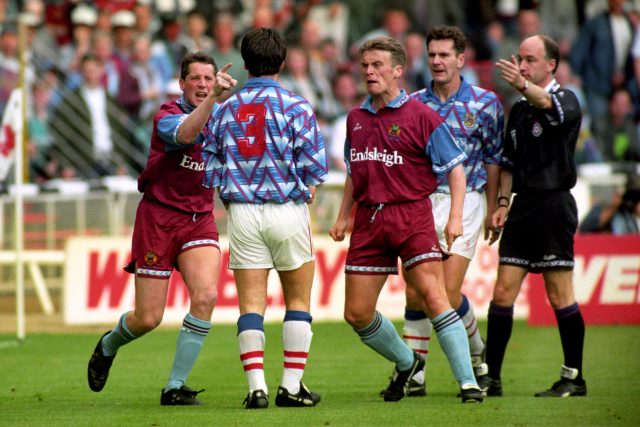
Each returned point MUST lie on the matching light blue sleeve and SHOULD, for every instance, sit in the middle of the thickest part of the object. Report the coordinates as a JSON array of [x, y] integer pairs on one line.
[[168, 131], [443, 150]]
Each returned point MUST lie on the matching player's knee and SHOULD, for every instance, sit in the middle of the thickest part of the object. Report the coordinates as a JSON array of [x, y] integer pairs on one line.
[[205, 298], [149, 322], [353, 318]]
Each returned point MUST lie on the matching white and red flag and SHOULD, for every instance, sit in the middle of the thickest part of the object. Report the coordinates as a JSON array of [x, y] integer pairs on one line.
[[10, 132]]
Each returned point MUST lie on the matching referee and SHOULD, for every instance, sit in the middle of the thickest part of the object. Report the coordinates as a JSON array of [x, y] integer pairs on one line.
[[539, 226]]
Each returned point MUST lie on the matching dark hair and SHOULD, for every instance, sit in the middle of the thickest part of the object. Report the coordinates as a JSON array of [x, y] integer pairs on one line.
[[551, 50], [445, 32], [194, 57], [263, 51], [387, 44], [90, 57]]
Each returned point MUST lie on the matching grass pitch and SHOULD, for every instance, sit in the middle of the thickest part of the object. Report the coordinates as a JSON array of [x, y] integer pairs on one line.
[[43, 382]]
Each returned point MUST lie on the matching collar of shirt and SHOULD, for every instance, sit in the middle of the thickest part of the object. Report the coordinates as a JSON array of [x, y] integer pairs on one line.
[[186, 107], [261, 82], [397, 102], [463, 94]]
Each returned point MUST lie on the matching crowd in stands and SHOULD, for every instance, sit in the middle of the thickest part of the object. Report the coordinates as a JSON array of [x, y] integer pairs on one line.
[[97, 71]]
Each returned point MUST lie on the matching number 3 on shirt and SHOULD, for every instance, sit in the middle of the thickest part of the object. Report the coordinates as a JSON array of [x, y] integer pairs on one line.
[[253, 118]]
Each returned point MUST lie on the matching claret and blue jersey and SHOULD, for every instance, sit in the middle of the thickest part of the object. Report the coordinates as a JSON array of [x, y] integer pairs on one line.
[[265, 146], [393, 154]]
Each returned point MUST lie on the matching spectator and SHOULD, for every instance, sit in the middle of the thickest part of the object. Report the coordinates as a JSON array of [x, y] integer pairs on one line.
[[41, 166], [194, 37], [601, 57], [416, 74], [296, 78], [123, 23], [91, 133], [347, 96], [10, 64], [166, 47], [626, 220], [224, 50], [621, 141], [83, 21]]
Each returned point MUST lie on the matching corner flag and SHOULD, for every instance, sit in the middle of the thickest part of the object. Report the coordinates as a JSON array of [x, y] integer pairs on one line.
[[10, 132]]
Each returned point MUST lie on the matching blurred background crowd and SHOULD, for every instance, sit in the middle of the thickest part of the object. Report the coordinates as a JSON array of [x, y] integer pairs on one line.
[[97, 71]]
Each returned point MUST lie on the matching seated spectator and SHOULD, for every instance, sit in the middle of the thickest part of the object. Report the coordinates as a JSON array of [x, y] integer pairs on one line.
[[626, 220], [194, 37]]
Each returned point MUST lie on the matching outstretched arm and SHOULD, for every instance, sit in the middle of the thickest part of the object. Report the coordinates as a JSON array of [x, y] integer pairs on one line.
[[195, 121]]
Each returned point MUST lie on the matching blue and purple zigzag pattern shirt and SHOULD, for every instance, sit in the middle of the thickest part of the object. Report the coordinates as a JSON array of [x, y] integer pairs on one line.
[[476, 119], [265, 146]]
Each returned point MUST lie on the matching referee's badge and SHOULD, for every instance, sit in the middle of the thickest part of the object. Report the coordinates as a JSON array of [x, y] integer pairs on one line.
[[469, 119], [536, 130], [394, 130], [150, 258]]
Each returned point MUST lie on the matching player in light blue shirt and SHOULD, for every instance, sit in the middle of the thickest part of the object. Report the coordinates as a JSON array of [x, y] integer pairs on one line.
[[266, 155]]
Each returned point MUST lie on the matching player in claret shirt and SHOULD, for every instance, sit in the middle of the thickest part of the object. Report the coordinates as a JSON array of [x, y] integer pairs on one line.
[[394, 147], [174, 228]]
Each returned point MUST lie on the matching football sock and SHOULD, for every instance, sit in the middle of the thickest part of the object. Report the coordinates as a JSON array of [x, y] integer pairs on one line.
[[468, 317], [454, 342], [251, 340], [382, 337], [499, 327], [571, 327], [417, 331], [296, 341], [119, 336], [190, 341]]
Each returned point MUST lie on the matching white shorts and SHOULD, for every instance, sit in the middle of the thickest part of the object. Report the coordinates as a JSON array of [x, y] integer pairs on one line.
[[269, 235], [473, 214]]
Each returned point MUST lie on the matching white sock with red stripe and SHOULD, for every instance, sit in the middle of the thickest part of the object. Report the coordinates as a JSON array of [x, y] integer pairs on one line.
[[251, 340], [468, 317], [417, 335], [296, 340]]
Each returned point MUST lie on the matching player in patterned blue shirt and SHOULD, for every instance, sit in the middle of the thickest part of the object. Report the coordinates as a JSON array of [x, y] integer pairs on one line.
[[266, 155], [476, 119]]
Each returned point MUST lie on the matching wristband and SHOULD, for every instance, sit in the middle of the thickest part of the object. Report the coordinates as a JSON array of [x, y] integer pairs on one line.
[[507, 199], [503, 206]]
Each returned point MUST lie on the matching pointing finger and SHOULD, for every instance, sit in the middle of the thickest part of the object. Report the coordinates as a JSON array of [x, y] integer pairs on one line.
[[225, 68]]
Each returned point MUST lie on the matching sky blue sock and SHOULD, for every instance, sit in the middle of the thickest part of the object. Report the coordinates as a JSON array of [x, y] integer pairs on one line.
[[190, 340], [452, 337], [382, 337], [119, 336]]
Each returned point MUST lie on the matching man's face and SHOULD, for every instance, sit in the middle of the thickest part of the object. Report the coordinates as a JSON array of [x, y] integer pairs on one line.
[[534, 66], [198, 83], [378, 72], [444, 62]]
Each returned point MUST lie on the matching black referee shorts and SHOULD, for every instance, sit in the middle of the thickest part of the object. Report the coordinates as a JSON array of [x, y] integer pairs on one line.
[[539, 231]]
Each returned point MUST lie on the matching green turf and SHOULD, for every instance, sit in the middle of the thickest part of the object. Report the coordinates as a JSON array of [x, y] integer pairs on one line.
[[43, 383]]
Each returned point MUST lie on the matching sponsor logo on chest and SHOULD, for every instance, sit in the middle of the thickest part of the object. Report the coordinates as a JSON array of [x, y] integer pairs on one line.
[[188, 163]]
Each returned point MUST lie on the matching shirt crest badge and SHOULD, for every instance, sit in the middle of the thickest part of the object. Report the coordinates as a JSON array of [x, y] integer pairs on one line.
[[394, 130], [536, 130], [150, 258], [469, 119]]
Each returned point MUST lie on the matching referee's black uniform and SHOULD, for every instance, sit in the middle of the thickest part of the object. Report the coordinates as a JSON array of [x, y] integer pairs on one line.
[[539, 151]]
